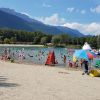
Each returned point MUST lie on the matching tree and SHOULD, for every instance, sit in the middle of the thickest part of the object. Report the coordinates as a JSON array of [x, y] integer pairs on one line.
[[7, 41], [36, 40], [98, 41], [44, 40], [55, 40], [0, 39], [13, 39]]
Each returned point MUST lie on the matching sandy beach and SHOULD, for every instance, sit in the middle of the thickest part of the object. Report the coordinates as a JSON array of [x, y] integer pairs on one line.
[[35, 82]]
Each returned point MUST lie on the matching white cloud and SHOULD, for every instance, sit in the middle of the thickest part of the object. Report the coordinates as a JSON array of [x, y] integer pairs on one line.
[[26, 14], [46, 5], [52, 20], [92, 28], [71, 9], [96, 9], [83, 11]]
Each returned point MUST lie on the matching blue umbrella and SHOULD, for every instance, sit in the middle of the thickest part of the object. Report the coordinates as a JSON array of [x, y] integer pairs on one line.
[[81, 54]]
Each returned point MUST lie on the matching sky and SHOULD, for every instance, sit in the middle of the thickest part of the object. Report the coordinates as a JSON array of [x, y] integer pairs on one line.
[[83, 15]]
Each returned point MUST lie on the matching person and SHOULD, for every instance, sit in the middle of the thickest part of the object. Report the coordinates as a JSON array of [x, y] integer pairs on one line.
[[64, 60], [21, 56], [85, 67], [5, 54], [76, 63], [81, 62], [70, 63]]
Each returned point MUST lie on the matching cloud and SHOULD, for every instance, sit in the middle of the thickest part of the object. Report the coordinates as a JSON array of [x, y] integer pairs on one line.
[[71, 9], [26, 14], [83, 11], [96, 9], [46, 5], [92, 28], [52, 20]]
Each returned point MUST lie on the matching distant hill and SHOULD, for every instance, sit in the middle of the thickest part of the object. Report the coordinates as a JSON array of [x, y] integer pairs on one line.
[[21, 15], [70, 31], [14, 20]]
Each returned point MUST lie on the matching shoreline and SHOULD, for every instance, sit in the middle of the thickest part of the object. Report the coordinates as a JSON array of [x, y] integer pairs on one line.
[[21, 45], [42, 65]]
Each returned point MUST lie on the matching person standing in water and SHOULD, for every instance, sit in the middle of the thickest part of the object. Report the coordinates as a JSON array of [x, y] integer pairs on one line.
[[64, 60], [5, 54]]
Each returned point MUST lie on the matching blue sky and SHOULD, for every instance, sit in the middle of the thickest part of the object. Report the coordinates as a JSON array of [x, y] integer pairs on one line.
[[83, 15]]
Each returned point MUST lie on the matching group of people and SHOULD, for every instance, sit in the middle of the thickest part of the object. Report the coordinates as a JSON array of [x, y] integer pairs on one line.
[[66, 58], [6, 54], [22, 55], [84, 64]]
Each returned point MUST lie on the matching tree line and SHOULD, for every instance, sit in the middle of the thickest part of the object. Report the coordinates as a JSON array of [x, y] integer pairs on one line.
[[8, 36]]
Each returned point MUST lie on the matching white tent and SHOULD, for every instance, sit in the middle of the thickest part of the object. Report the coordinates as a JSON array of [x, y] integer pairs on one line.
[[86, 47]]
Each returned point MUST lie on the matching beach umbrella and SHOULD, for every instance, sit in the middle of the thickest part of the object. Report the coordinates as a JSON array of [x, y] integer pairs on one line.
[[84, 54], [80, 54], [91, 55]]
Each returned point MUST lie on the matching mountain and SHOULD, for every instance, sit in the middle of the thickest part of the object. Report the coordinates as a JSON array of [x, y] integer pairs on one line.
[[10, 21], [21, 15], [14, 20], [70, 31]]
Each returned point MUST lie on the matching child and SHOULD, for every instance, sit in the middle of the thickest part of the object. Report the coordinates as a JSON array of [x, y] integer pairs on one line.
[[64, 60], [76, 64], [70, 64]]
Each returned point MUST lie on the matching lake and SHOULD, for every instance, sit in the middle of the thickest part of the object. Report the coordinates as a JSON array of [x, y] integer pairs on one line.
[[37, 55]]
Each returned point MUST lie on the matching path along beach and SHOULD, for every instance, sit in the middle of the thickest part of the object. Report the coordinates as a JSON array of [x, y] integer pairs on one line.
[[35, 82]]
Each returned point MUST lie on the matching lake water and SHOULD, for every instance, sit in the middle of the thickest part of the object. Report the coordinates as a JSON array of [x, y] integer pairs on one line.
[[36, 55]]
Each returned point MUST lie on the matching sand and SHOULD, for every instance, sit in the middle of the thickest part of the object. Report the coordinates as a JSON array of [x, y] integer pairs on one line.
[[35, 82]]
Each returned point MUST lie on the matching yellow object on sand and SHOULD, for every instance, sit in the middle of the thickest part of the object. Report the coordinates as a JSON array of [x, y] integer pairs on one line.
[[94, 73]]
